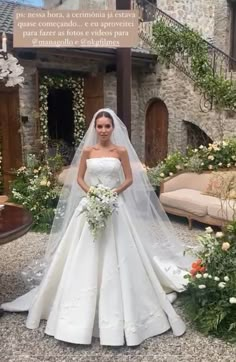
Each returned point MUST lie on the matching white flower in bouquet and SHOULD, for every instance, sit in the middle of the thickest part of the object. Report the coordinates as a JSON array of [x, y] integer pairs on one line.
[[202, 286], [98, 205], [221, 285], [232, 300]]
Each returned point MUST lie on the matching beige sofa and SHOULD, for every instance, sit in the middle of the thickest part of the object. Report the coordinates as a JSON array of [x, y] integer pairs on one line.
[[184, 195]]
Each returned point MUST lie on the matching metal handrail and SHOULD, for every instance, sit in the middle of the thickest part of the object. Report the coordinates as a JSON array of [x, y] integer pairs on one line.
[[221, 62]]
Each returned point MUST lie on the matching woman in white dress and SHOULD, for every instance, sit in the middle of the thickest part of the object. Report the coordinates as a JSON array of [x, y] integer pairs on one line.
[[119, 287]]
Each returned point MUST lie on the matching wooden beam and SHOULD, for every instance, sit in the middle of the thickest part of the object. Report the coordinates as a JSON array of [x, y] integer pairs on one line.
[[124, 71]]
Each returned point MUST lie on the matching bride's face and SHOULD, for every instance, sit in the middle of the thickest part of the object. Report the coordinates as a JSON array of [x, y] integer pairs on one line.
[[104, 128]]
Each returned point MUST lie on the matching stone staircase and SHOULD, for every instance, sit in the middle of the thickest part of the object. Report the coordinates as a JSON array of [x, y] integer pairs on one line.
[[221, 63]]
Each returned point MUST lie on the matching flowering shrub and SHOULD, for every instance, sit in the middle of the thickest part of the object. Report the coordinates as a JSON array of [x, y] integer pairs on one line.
[[167, 168], [210, 297], [36, 188], [218, 155]]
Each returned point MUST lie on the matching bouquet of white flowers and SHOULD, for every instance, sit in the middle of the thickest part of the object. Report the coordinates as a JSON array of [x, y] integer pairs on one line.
[[99, 204]]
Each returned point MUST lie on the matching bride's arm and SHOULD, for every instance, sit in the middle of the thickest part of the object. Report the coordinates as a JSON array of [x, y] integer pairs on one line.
[[82, 170], [124, 158]]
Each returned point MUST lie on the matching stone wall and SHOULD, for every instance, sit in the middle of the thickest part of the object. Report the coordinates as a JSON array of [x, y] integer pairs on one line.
[[183, 103], [110, 100], [222, 25], [80, 4], [198, 14], [110, 91], [27, 103], [212, 19]]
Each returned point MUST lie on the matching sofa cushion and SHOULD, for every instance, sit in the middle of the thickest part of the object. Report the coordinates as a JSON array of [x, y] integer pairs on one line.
[[221, 184], [192, 201], [187, 180], [222, 209], [232, 194]]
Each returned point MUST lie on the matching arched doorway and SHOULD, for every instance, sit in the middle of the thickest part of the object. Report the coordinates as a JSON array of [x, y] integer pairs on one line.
[[156, 132]]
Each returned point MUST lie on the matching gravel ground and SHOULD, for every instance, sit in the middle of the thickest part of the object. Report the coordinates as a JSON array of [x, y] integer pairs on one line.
[[17, 343]]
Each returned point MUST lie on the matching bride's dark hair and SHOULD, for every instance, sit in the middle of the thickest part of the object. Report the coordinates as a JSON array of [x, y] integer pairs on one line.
[[106, 115]]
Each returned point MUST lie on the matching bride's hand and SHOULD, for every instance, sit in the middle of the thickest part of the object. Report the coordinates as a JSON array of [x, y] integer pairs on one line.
[[115, 191]]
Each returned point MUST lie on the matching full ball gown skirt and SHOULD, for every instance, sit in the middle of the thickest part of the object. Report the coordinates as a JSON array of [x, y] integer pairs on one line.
[[106, 288]]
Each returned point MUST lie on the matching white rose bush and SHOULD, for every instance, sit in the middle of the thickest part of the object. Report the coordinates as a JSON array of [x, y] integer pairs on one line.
[[36, 188], [210, 296], [215, 156]]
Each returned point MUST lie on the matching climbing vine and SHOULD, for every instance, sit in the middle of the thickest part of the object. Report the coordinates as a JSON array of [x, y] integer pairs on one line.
[[172, 42]]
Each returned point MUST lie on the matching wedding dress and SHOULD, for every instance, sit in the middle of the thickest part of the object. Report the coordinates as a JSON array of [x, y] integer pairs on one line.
[[108, 288]]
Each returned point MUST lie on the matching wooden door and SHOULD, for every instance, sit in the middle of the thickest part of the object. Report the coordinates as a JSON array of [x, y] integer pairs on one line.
[[94, 96], [10, 135], [156, 132]]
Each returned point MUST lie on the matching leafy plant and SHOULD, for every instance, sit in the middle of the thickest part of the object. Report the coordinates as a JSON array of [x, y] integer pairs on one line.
[[210, 296], [171, 42], [167, 168], [36, 188], [218, 155]]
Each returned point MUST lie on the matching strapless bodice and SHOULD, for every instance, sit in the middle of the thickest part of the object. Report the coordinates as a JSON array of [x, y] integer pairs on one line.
[[105, 170]]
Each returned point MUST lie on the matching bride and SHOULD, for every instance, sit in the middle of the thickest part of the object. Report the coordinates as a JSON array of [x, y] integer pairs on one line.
[[119, 287]]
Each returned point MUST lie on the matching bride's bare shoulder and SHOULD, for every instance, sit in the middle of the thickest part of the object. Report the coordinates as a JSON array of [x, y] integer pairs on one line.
[[87, 150], [121, 149]]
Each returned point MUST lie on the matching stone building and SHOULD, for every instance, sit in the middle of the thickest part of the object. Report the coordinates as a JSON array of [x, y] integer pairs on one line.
[[215, 21], [166, 107], [21, 111], [168, 113]]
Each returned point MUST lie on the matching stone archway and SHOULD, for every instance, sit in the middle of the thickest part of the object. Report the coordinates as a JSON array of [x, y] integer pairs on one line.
[[196, 136], [156, 132]]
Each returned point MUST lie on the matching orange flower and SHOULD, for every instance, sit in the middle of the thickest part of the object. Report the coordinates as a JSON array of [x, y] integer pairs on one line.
[[197, 264], [197, 267]]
